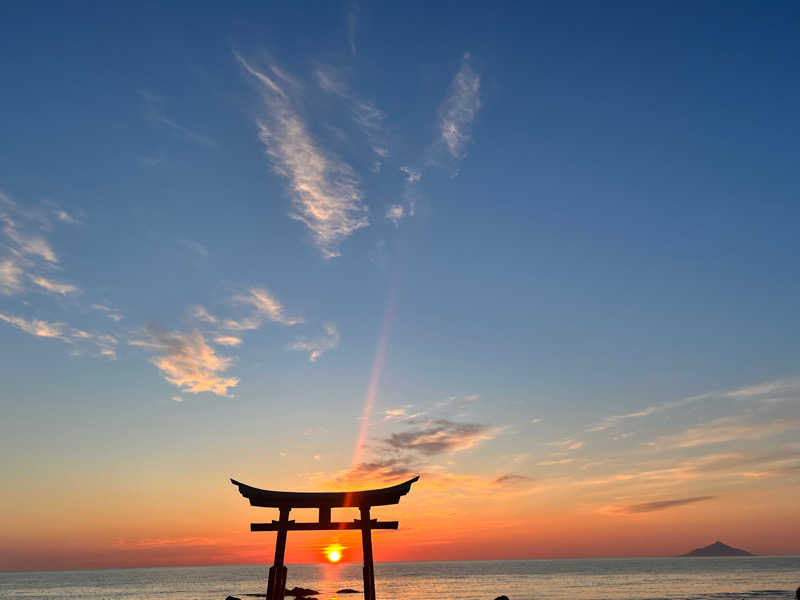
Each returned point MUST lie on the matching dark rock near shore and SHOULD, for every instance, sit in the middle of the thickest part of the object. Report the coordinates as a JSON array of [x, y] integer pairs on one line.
[[501, 598], [232, 598], [299, 592], [348, 591]]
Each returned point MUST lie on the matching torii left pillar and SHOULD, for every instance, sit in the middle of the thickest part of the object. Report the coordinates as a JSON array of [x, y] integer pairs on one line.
[[276, 584]]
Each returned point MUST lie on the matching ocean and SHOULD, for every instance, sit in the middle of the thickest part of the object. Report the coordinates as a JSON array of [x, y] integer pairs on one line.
[[761, 578]]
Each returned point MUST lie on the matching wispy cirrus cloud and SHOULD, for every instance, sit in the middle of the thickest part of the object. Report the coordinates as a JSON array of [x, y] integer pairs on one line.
[[444, 410], [31, 245], [65, 217], [326, 192], [103, 344], [36, 327], [318, 345], [459, 109], [154, 113], [55, 287], [368, 117], [200, 313], [110, 312], [10, 277], [404, 413], [227, 340], [245, 324], [29, 256], [727, 429], [267, 305], [568, 444], [187, 361], [407, 208], [744, 465], [778, 387]]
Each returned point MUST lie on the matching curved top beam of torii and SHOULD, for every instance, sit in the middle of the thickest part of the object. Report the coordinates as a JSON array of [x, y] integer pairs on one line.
[[273, 499]]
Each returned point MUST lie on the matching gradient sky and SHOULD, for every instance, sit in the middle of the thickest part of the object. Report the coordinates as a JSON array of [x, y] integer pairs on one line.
[[545, 256]]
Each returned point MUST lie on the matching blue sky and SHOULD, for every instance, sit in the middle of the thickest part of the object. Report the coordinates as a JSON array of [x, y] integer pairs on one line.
[[548, 216]]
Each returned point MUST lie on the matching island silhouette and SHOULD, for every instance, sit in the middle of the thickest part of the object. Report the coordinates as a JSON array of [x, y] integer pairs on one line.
[[717, 549]]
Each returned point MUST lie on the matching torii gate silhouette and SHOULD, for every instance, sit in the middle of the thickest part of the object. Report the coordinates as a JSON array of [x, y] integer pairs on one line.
[[324, 501]]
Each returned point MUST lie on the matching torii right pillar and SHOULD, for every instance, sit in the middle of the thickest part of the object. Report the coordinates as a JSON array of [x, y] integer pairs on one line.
[[366, 545]]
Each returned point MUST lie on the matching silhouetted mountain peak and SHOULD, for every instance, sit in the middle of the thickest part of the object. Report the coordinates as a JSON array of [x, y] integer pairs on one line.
[[717, 549]]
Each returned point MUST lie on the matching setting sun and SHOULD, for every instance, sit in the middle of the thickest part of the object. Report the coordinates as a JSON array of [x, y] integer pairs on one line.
[[334, 552]]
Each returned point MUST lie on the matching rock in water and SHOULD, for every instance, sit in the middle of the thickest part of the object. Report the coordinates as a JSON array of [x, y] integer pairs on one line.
[[348, 591], [501, 598], [300, 592]]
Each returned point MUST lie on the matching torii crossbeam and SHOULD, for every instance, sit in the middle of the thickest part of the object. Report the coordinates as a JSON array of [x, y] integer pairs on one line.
[[324, 501]]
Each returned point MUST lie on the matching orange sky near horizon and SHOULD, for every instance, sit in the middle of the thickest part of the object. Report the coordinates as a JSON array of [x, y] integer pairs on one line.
[[435, 524]]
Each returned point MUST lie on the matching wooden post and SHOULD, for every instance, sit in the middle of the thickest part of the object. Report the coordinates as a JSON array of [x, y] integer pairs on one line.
[[277, 574], [366, 544]]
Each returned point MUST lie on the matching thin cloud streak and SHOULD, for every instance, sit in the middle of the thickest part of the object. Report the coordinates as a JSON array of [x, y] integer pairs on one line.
[[154, 112], [326, 193], [647, 507], [364, 113], [266, 305], [511, 479], [105, 344], [728, 429], [36, 327], [201, 314], [30, 245], [459, 109], [789, 386], [10, 277], [110, 312], [55, 286]]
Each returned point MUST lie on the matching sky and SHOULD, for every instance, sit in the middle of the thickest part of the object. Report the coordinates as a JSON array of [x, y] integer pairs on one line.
[[545, 256]]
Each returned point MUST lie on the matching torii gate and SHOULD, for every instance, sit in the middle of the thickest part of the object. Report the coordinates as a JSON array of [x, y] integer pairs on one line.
[[324, 501]]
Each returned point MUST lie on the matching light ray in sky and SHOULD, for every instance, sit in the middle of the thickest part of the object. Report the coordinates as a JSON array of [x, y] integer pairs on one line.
[[375, 376]]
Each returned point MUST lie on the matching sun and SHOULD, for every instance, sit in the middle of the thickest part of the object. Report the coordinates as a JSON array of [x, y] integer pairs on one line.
[[334, 552]]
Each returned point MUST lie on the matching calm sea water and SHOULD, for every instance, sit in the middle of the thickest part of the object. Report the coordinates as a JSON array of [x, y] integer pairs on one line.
[[761, 578]]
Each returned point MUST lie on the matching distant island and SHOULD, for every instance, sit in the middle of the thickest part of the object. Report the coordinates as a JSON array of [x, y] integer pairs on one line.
[[718, 549]]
